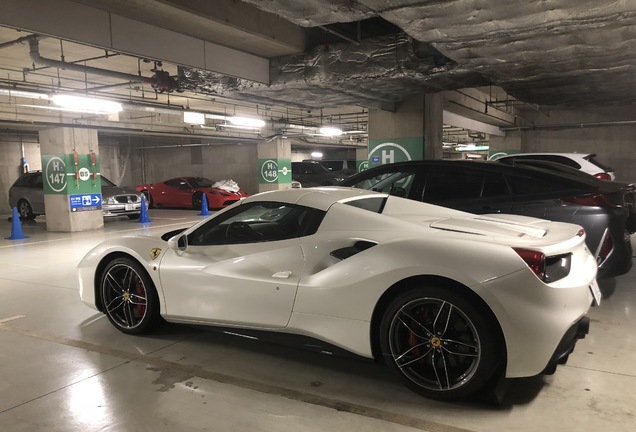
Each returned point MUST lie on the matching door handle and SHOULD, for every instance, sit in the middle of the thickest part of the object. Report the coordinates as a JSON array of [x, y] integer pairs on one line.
[[282, 275]]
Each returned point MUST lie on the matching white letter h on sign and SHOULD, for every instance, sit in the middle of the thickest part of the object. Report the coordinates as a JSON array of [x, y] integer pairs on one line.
[[388, 157]]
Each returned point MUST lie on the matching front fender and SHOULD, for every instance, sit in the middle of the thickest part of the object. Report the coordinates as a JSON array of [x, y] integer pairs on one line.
[[148, 251]]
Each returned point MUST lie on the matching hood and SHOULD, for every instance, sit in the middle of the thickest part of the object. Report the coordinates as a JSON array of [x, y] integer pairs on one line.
[[118, 190]]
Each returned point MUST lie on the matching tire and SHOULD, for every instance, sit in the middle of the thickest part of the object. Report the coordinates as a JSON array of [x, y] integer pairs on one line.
[[440, 344], [129, 297], [197, 200], [25, 210]]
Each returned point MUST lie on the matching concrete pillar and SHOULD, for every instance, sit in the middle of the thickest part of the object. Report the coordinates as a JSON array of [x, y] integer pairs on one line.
[[362, 159], [274, 165], [72, 204], [412, 132]]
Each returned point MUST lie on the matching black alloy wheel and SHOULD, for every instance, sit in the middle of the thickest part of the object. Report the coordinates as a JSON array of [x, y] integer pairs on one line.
[[129, 297], [148, 197], [440, 344], [197, 200]]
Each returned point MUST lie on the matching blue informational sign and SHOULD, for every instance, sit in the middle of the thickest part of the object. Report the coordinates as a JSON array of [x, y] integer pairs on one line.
[[85, 202]]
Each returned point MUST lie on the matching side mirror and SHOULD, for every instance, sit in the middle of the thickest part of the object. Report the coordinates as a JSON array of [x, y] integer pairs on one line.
[[178, 243]]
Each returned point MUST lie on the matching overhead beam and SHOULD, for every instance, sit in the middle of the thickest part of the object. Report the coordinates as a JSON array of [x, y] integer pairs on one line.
[[76, 22]]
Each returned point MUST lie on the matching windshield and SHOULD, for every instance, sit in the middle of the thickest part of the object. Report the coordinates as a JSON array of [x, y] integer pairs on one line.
[[201, 182], [106, 182]]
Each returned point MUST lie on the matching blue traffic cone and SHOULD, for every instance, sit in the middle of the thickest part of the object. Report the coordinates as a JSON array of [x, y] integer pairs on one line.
[[16, 227], [204, 207], [143, 215]]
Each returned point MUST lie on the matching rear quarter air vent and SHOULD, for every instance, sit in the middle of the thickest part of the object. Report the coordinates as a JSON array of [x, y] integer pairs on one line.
[[348, 252]]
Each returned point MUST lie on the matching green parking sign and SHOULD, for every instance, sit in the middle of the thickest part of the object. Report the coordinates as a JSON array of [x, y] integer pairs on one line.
[[274, 171], [54, 174]]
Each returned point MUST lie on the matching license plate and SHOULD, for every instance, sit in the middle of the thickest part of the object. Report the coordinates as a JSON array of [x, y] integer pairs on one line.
[[129, 207], [596, 292]]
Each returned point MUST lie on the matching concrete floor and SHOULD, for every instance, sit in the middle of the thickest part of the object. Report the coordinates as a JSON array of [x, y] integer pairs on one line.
[[63, 367]]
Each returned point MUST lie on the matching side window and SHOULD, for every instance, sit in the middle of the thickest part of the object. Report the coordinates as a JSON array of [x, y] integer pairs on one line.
[[398, 183], [179, 184], [494, 185], [256, 223], [38, 182], [523, 185], [452, 184]]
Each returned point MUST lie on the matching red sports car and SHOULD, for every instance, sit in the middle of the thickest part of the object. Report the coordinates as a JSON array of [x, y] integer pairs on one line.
[[188, 192]]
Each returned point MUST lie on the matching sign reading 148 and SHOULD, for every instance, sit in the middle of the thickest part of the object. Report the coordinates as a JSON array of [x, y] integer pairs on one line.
[[269, 171], [55, 173]]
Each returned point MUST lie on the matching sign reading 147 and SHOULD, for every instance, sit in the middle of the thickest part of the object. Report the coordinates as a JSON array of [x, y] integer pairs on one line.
[[55, 172]]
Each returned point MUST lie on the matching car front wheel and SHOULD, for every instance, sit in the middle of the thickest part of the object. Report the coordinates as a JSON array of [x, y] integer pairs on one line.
[[129, 297], [25, 210], [440, 344]]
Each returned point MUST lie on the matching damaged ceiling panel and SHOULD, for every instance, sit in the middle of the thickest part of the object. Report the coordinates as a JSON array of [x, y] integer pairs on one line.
[[557, 52]]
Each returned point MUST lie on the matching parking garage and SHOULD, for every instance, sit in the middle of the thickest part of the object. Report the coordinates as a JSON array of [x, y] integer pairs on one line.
[[390, 83]]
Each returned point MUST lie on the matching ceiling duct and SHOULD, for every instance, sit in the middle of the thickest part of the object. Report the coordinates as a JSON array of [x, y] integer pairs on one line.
[[377, 72]]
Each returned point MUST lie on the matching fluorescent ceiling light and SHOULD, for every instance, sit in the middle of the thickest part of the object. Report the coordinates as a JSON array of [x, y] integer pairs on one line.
[[23, 94], [330, 131], [85, 104], [192, 117], [249, 122], [316, 154]]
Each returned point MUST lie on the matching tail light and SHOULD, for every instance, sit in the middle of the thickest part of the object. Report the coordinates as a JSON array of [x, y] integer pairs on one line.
[[548, 269], [603, 176], [594, 200]]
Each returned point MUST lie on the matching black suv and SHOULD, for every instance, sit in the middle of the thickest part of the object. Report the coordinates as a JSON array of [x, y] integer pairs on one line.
[[488, 187]]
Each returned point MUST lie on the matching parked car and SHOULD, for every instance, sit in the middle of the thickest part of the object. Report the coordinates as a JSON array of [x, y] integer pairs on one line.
[[585, 162], [629, 189], [27, 195], [187, 192], [344, 167], [312, 173], [374, 274], [491, 187]]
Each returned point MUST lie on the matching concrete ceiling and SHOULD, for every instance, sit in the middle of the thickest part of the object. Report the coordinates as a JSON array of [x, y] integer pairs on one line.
[[376, 53], [328, 54]]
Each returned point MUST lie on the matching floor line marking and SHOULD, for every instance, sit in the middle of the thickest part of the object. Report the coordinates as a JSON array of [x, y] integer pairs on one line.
[[297, 395], [13, 318]]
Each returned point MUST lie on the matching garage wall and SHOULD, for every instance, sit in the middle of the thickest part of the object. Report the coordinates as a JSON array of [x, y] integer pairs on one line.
[[238, 162], [10, 170], [584, 131]]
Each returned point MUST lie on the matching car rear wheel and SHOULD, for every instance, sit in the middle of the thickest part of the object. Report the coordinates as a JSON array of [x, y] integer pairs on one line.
[[197, 200], [25, 211], [148, 197], [129, 297], [440, 344]]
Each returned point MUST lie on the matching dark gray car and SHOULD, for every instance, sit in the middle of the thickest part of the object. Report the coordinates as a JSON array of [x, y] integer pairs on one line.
[[27, 194], [600, 207], [311, 173]]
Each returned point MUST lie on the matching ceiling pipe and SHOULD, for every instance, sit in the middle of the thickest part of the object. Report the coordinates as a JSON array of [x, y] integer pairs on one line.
[[160, 81], [20, 41], [569, 126]]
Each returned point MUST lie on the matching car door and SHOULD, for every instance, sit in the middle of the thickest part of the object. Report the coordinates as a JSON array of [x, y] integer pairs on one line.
[[178, 193], [240, 268]]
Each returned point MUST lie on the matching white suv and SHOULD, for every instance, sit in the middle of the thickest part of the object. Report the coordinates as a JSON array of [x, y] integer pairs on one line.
[[585, 162]]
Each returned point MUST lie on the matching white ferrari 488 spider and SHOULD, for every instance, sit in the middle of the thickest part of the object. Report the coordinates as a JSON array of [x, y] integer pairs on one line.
[[450, 300]]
